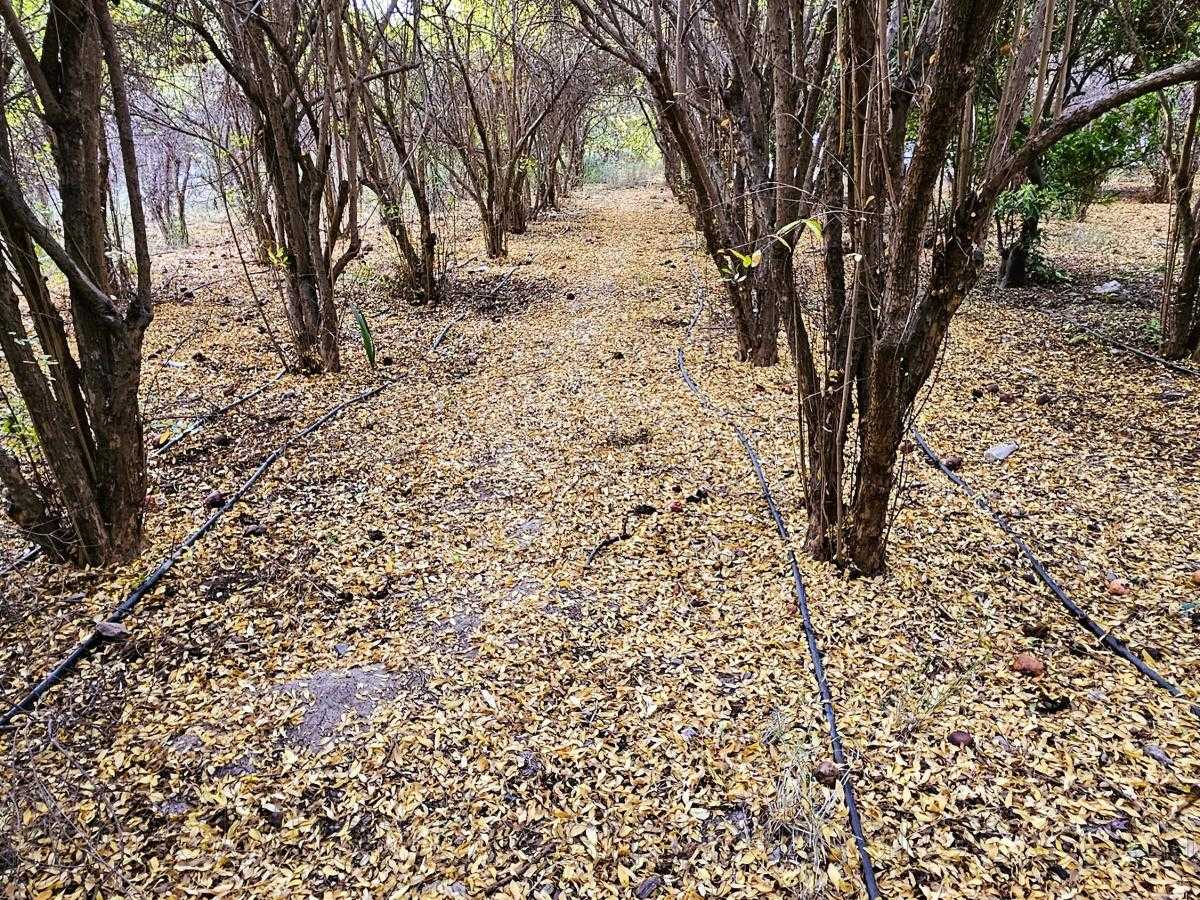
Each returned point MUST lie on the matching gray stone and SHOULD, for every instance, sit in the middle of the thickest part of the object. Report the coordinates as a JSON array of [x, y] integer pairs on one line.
[[173, 807], [649, 887], [1109, 287], [528, 531], [1000, 452], [1159, 755], [186, 742], [335, 694], [112, 630], [236, 769]]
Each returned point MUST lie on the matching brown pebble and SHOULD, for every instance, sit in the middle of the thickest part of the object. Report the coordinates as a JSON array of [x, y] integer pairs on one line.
[[953, 462], [1118, 587], [214, 500], [1028, 664], [1196, 578], [826, 772], [961, 738]]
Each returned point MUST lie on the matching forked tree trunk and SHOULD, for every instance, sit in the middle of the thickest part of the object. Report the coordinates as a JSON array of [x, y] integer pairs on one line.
[[1014, 259], [1181, 313], [86, 416], [495, 235]]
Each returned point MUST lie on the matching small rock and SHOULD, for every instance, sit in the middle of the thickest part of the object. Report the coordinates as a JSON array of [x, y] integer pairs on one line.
[[375, 534], [676, 506], [977, 393], [993, 388], [1118, 587], [215, 500], [1044, 400], [112, 631], [961, 738], [1006, 397], [223, 440], [826, 772], [1038, 630], [1109, 287], [953, 462], [186, 743], [1196, 578], [1027, 664], [174, 807], [341, 649], [1000, 452], [1157, 754], [256, 530], [648, 887]]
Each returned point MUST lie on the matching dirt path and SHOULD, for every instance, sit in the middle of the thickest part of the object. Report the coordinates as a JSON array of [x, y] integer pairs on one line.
[[536, 719], [413, 683]]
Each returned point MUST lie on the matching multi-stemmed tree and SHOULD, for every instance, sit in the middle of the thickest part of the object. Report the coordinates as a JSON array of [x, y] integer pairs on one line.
[[501, 71], [862, 117], [76, 481], [396, 154], [289, 63]]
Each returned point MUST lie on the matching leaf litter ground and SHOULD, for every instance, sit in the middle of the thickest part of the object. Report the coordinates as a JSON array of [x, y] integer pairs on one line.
[[412, 683]]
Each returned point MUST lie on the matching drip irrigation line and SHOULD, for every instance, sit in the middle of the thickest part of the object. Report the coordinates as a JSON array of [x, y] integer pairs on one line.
[[1129, 348], [23, 560], [1101, 633], [814, 651], [35, 551], [491, 296], [89, 643], [205, 419], [445, 331]]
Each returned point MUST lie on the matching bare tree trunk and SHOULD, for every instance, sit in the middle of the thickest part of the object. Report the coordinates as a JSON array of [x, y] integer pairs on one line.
[[87, 416], [1180, 310]]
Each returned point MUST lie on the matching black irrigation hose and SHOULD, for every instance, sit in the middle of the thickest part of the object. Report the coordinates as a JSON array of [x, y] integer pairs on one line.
[[1102, 634], [35, 551], [445, 331], [23, 560], [491, 296], [1128, 348], [203, 420], [95, 638], [814, 651]]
